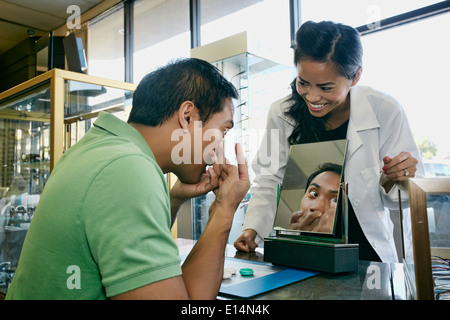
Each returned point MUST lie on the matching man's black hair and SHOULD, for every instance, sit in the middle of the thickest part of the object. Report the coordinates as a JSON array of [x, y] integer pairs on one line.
[[161, 92], [327, 166]]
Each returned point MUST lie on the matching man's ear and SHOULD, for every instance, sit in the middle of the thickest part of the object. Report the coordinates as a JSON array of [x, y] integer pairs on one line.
[[357, 77], [185, 114]]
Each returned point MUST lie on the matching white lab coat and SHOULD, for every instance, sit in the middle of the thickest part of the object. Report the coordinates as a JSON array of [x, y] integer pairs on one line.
[[378, 127]]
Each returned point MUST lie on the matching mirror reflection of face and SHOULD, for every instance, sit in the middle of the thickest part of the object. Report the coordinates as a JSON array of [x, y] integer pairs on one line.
[[311, 184], [322, 193], [318, 205]]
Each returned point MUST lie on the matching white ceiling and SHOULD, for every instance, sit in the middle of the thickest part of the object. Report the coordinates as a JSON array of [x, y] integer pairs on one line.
[[17, 17]]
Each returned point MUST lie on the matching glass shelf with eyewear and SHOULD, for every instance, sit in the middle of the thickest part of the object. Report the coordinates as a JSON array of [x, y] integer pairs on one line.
[[39, 120], [426, 238]]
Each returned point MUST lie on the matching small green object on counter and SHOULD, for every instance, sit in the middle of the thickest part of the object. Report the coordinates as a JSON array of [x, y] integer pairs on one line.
[[246, 272]]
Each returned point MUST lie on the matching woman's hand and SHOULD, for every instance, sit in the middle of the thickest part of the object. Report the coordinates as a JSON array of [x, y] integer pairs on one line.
[[399, 168], [246, 241]]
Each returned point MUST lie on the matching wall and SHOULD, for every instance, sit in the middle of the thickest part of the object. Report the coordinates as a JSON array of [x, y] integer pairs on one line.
[[18, 64]]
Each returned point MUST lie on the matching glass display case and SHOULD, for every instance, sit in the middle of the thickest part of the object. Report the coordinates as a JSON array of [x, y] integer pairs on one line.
[[426, 239], [39, 120], [260, 82]]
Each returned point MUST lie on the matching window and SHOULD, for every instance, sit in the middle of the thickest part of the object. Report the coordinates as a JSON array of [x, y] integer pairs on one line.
[[267, 20], [214, 16], [105, 51], [409, 63], [161, 33], [357, 12]]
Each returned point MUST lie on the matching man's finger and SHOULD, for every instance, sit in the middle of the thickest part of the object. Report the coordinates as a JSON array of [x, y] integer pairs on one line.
[[220, 154], [242, 164], [311, 217], [216, 165], [214, 178], [295, 216]]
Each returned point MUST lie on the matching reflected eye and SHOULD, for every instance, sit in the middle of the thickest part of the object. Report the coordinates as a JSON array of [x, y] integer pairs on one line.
[[334, 200], [313, 193]]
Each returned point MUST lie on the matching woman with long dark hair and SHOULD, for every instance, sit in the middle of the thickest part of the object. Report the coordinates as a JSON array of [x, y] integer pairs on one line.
[[327, 104]]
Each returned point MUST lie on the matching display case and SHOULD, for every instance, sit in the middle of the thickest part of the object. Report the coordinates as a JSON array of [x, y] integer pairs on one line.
[[426, 239], [260, 82], [39, 120]]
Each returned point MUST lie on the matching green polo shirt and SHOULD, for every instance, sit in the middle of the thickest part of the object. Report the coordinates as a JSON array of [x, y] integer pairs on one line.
[[102, 225]]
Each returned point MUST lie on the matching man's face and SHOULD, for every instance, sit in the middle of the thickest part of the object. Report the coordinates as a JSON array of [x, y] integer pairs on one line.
[[206, 137], [322, 193]]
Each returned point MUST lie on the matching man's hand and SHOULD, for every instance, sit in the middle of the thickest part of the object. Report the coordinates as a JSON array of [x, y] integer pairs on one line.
[[315, 221], [326, 221], [233, 183], [203, 267], [183, 191], [209, 181], [305, 221]]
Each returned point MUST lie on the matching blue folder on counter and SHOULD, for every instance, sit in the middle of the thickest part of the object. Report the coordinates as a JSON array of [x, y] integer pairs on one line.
[[265, 277]]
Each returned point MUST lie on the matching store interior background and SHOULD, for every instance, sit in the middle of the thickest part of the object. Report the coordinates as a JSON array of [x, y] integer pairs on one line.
[[124, 40]]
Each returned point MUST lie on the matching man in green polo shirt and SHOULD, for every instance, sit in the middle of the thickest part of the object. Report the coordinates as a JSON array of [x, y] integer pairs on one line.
[[102, 226]]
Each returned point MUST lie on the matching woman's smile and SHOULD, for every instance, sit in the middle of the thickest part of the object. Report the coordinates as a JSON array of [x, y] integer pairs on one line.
[[316, 107]]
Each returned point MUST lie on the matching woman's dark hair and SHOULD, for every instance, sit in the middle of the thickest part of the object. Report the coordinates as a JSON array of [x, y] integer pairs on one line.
[[323, 42], [161, 92], [324, 167]]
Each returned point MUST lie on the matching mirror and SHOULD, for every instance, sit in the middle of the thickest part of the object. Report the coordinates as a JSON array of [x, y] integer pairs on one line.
[[311, 187]]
